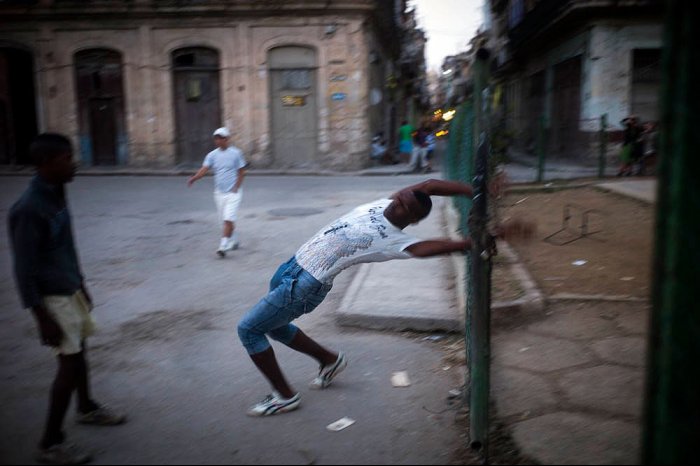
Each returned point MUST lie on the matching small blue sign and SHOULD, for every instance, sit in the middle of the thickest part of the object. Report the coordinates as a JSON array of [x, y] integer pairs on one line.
[[339, 96]]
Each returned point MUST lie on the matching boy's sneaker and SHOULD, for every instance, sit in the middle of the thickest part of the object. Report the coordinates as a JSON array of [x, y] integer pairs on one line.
[[63, 453], [328, 373], [102, 416], [275, 404]]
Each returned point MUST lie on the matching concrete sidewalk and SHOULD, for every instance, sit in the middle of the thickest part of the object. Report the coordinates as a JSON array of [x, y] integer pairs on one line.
[[567, 379], [407, 294], [569, 383], [642, 190]]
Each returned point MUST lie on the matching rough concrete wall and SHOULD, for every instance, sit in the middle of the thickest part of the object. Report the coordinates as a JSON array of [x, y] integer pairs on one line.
[[606, 50], [166, 39], [342, 70], [612, 45], [243, 45]]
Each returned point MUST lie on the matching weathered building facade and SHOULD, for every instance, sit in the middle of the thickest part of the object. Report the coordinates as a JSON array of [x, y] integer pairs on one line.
[[143, 83], [568, 62]]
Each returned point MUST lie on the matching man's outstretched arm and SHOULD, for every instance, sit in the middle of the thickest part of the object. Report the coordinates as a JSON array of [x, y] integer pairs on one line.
[[439, 247], [197, 176], [441, 188]]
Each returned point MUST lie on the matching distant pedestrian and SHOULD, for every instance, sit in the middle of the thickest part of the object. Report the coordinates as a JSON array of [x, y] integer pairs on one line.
[[632, 149], [229, 166], [419, 159], [432, 144], [371, 233], [52, 286], [650, 139], [406, 141], [379, 151]]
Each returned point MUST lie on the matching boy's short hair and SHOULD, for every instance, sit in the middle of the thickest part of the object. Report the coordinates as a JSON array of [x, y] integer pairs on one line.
[[48, 146], [425, 202]]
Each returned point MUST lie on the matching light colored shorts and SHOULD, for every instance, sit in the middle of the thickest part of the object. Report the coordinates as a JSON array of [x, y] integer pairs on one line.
[[228, 204], [72, 314]]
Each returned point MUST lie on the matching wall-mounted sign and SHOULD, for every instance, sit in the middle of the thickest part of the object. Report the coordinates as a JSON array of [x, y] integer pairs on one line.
[[339, 77], [339, 96], [293, 100]]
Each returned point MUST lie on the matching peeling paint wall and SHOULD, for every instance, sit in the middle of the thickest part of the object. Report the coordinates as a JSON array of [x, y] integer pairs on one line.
[[611, 51], [146, 46]]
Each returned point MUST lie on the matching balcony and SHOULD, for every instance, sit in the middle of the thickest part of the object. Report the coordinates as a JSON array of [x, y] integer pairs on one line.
[[554, 16]]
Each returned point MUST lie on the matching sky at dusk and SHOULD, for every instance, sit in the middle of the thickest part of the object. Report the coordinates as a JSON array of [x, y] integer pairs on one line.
[[449, 24]]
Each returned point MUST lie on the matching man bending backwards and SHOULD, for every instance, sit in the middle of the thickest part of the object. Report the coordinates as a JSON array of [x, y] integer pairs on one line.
[[370, 233]]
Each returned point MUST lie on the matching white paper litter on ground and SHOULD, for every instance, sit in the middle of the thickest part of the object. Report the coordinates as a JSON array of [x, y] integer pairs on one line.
[[400, 379], [341, 424], [579, 263]]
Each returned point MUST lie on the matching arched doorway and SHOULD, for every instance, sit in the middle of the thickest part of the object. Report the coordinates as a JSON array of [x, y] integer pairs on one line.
[[18, 122], [100, 92], [197, 102], [294, 110]]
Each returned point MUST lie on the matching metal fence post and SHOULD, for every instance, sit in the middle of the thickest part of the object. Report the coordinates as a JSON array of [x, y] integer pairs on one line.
[[480, 315], [672, 411], [602, 157], [540, 149]]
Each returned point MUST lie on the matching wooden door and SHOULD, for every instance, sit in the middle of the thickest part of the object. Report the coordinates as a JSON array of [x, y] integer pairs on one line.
[[294, 119], [102, 127], [197, 103], [103, 131]]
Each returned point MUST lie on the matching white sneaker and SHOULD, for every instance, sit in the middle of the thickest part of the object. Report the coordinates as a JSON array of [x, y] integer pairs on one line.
[[327, 373], [63, 453], [275, 404]]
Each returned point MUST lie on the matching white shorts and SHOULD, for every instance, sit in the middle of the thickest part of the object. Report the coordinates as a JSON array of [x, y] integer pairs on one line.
[[72, 314], [228, 204]]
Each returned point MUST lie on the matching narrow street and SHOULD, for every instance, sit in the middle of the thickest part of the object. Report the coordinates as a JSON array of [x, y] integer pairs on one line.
[[167, 350]]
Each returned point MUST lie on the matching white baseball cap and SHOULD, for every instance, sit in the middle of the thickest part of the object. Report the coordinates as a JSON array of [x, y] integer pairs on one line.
[[223, 132]]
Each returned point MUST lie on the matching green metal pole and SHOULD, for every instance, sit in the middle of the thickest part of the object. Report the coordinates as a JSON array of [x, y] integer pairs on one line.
[[540, 149], [672, 409], [602, 157], [480, 314]]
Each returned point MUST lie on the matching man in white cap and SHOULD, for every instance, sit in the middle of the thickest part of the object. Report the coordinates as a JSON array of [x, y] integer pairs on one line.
[[228, 165]]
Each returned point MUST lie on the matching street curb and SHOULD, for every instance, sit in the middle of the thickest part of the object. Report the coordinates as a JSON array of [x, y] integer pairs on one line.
[[502, 312], [397, 323], [531, 305], [535, 189], [189, 172], [597, 297], [605, 188]]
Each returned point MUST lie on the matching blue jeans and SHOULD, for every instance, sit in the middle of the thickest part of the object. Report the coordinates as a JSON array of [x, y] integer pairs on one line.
[[293, 293]]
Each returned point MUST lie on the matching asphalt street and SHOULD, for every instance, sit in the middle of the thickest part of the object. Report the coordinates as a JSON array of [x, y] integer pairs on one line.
[[167, 352]]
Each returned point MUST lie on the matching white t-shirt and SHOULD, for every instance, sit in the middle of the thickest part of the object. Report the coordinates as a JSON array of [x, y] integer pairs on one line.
[[364, 235], [225, 164]]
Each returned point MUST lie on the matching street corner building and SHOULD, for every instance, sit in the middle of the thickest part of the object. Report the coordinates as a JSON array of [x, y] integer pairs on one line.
[[564, 64], [303, 84]]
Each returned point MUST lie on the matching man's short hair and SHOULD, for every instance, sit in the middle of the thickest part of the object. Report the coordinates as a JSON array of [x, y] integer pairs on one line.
[[48, 146], [425, 202]]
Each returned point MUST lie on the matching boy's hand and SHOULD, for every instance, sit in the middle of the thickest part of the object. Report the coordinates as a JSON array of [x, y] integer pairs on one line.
[[516, 229], [50, 332], [87, 295], [498, 184]]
